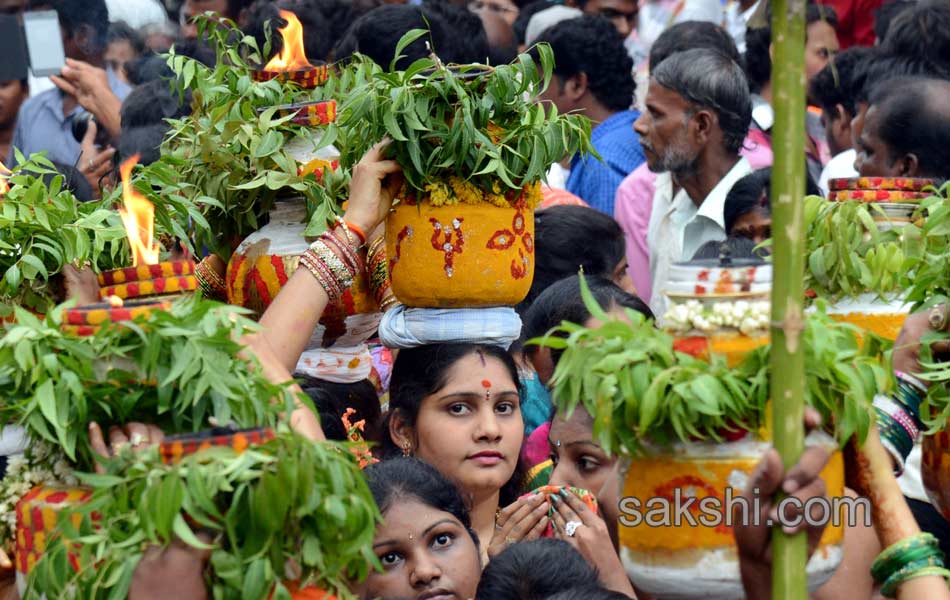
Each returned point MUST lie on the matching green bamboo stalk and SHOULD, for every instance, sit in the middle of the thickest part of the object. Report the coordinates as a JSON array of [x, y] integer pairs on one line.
[[789, 553]]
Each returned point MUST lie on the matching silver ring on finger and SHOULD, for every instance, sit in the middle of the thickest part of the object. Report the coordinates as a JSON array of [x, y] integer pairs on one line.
[[570, 528]]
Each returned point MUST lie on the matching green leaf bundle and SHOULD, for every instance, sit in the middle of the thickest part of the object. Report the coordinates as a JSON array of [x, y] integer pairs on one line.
[[290, 509], [475, 122], [847, 254], [44, 228], [641, 392], [179, 369]]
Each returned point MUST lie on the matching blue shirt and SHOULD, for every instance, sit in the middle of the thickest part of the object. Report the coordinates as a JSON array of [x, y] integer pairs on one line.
[[41, 125], [618, 144]]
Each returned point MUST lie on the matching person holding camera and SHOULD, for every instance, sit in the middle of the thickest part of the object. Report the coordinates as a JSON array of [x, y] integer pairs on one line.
[[76, 122]]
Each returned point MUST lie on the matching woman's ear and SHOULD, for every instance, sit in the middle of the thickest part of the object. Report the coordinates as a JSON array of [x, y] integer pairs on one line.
[[401, 433], [540, 358]]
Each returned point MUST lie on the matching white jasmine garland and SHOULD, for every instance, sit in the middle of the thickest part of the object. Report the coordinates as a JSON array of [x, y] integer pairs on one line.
[[748, 317], [39, 464]]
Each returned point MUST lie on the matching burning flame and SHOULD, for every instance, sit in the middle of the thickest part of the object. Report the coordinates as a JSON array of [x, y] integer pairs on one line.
[[4, 185], [138, 216], [292, 56]]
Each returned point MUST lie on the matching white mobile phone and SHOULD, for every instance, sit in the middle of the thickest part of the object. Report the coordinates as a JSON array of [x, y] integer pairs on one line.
[[44, 42]]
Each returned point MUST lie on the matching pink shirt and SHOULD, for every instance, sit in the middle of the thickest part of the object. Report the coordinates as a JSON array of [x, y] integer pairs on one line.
[[634, 203]]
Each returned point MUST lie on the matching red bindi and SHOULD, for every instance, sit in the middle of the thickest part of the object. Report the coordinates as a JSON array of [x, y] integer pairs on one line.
[[486, 383]]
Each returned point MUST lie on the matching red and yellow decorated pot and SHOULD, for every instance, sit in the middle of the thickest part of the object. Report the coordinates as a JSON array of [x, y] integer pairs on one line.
[[935, 469], [265, 261], [88, 319], [692, 553], [461, 255], [36, 520], [165, 279]]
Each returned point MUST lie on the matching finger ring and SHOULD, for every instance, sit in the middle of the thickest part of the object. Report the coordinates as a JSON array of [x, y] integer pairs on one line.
[[510, 540], [938, 317], [570, 528], [136, 439]]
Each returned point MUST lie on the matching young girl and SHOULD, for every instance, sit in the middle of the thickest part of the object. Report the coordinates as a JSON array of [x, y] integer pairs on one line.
[[456, 406], [425, 544]]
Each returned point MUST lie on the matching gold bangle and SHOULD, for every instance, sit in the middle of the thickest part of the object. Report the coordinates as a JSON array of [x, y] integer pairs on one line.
[[322, 274], [340, 271]]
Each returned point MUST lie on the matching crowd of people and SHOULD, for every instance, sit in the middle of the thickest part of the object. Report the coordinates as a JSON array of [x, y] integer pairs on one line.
[[680, 96]]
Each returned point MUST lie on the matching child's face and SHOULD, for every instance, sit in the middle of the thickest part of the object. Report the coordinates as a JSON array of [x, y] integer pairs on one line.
[[755, 225]]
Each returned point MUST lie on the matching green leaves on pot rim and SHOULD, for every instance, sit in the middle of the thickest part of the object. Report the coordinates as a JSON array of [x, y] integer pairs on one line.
[[178, 369], [640, 391], [477, 122], [290, 509]]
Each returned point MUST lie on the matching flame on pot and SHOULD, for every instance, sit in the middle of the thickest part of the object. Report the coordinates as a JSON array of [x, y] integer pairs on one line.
[[292, 56], [138, 216], [4, 185]]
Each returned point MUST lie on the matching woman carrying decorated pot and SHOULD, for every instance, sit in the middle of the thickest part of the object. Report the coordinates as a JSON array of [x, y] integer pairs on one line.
[[581, 462], [455, 406]]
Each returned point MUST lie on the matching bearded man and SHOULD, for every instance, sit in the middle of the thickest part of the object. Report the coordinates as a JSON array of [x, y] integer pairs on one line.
[[698, 112]]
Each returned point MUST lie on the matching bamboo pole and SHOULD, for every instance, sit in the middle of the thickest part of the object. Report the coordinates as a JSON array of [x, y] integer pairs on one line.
[[789, 580]]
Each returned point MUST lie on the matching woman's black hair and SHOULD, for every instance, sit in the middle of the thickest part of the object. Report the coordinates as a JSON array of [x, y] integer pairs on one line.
[[568, 238], [753, 192], [334, 398], [735, 247], [758, 60], [423, 371], [535, 570], [405, 478], [562, 302]]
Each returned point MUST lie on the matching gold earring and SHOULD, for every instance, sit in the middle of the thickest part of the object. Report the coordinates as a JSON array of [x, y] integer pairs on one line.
[[407, 449]]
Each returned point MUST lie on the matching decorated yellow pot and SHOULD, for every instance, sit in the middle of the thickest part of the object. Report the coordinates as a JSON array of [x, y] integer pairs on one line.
[[692, 553], [869, 312], [460, 255], [935, 469], [36, 519]]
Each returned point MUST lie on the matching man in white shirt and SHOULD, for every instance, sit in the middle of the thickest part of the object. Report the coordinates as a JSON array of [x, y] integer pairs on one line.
[[697, 115]]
